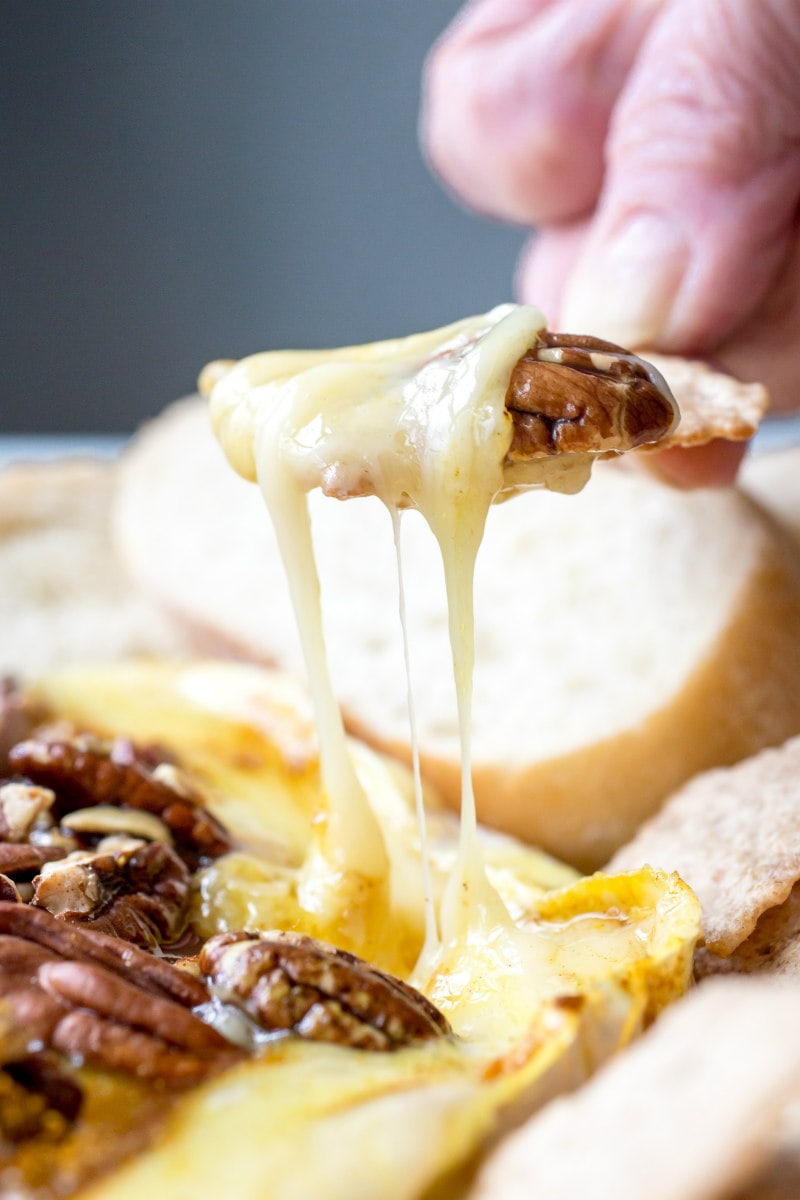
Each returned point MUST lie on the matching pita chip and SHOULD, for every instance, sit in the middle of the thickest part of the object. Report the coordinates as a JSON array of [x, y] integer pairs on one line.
[[733, 834], [712, 405], [688, 1113]]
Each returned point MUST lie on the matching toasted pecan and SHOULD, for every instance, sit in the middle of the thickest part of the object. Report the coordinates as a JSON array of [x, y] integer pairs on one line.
[[294, 983]]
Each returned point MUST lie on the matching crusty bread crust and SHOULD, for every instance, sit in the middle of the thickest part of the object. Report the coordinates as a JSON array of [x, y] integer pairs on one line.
[[724, 684], [691, 1112]]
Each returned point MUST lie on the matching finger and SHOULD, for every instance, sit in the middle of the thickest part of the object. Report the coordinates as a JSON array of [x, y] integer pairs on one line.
[[765, 347], [713, 465], [517, 96], [543, 268], [545, 265], [702, 182]]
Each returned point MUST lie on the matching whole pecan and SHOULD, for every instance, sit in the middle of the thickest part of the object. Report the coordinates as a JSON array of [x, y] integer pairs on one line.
[[136, 890], [83, 771], [152, 974], [88, 996], [291, 982], [575, 394]]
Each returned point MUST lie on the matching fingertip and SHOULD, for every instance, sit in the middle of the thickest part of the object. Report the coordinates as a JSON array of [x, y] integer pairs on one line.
[[516, 102], [699, 205]]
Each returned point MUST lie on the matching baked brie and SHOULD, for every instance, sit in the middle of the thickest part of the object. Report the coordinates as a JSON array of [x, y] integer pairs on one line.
[[175, 1015]]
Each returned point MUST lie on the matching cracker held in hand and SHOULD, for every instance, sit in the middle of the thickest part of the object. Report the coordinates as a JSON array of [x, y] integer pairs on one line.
[[688, 1113], [686, 602], [581, 394], [712, 405], [734, 836]]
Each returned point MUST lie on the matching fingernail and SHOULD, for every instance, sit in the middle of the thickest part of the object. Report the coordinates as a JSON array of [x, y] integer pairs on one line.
[[624, 289]]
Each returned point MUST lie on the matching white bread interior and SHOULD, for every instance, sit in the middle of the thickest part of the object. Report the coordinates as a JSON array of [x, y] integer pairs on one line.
[[627, 637], [773, 479]]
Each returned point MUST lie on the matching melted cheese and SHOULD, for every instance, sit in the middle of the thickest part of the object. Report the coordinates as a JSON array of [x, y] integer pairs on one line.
[[419, 421]]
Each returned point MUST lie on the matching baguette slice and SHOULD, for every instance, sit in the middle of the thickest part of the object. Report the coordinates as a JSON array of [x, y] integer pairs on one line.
[[63, 597], [773, 479], [627, 637]]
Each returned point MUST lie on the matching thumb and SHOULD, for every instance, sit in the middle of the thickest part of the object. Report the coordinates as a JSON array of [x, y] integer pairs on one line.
[[702, 179]]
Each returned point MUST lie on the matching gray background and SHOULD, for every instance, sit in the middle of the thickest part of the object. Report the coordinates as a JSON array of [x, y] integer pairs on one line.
[[189, 179]]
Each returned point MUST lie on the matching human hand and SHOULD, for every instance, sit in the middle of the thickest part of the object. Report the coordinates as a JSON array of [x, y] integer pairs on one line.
[[657, 148]]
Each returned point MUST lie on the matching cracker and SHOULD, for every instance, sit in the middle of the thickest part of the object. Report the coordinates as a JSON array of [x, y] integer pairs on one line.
[[773, 947], [712, 405], [733, 834], [688, 1113]]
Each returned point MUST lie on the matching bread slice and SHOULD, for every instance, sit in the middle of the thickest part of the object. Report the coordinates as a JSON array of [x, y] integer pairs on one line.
[[63, 597], [693, 1111], [627, 637], [773, 479]]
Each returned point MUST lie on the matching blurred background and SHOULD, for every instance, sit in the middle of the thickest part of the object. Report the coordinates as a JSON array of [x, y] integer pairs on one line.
[[192, 179]]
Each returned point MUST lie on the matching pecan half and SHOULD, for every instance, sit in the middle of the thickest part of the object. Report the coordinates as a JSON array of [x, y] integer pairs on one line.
[[293, 983], [576, 394], [133, 889], [154, 975], [110, 1013], [84, 772], [23, 859]]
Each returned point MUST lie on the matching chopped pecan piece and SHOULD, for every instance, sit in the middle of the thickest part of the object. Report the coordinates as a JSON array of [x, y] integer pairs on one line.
[[86, 772], [19, 716], [577, 394], [133, 889], [104, 819], [22, 805], [115, 1016], [24, 814], [290, 982]]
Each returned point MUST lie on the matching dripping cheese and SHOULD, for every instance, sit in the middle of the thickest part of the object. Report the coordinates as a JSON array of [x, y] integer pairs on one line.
[[419, 422]]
